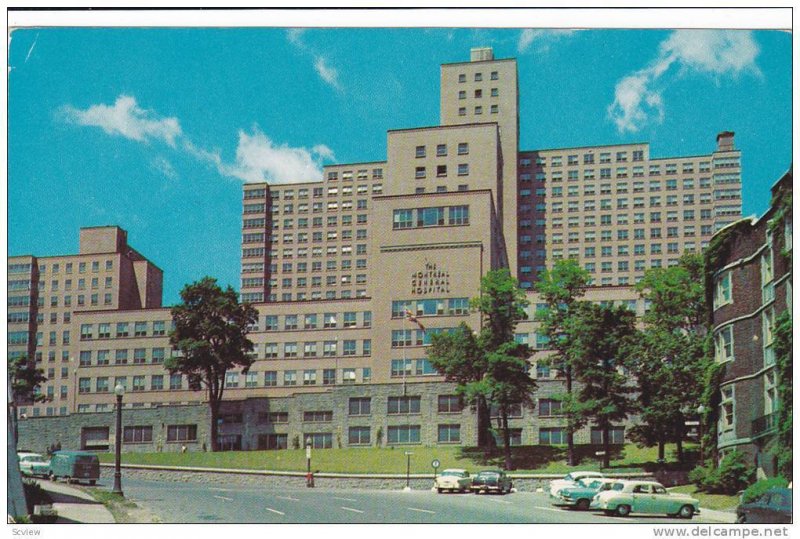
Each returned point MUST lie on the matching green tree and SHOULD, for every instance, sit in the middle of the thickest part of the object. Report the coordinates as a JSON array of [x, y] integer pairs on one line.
[[783, 367], [600, 342], [673, 352], [490, 368], [210, 335], [458, 356], [25, 380], [560, 289]]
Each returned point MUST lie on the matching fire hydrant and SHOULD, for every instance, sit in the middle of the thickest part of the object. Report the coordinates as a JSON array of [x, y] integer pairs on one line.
[[310, 480]]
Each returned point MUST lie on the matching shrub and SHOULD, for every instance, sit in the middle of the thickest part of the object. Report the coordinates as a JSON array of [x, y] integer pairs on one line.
[[732, 475], [758, 488], [35, 495]]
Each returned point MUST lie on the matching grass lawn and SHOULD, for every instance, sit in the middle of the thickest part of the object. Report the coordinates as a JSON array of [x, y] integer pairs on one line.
[[719, 502], [538, 459]]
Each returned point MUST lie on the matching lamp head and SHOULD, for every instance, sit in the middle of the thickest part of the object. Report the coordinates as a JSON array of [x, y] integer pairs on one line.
[[119, 390]]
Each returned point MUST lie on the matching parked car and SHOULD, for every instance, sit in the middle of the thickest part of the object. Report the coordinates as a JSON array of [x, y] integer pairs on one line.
[[491, 481], [75, 466], [580, 496], [453, 480], [570, 480], [773, 507], [33, 464], [626, 497]]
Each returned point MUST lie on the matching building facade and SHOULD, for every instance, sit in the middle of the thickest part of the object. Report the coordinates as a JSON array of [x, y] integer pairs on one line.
[[750, 261], [333, 266]]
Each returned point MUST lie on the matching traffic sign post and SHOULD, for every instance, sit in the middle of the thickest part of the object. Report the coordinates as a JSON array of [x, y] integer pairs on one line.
[[435, 463]]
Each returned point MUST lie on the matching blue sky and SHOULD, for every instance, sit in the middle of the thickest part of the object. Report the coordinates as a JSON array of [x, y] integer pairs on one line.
[[155, 130]]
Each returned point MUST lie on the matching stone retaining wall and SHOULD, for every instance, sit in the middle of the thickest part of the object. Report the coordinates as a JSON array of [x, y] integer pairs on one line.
[[523, 483]]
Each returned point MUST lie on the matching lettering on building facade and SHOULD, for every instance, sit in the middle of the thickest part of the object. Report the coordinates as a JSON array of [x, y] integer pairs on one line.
[[432, 280]]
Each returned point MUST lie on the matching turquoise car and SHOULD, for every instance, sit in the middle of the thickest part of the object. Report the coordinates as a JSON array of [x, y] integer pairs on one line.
[[580, 496], [649, 497], [75, 466]]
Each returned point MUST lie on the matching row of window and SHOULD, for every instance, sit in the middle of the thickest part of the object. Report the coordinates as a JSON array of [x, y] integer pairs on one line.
[[313, 349], [55, 268], [478, 93], [622, 204], [622, 157], [138, 356], [56, 301], [158, 328], [421, 173], [260, 297], [303, 237], [493, 109], [348, 319], [302, 267], [607, 235], [426, 217], [302, 252], [430, 307], [81, 284], [302, 222], [622, 219], [441, 150]]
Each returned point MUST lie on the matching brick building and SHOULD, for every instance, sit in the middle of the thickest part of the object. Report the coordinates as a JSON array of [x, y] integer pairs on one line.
[[752, 285]]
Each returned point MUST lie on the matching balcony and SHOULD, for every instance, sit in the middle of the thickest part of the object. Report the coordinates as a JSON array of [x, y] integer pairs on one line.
[[764, 425]]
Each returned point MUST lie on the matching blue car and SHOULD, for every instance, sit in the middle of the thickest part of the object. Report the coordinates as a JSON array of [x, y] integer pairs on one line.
[[580, 496]]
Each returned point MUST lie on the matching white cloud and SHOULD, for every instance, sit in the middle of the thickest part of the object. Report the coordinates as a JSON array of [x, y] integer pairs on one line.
[[322, 64], [258, 159], [125, 118], [638, 96], [543, 38]]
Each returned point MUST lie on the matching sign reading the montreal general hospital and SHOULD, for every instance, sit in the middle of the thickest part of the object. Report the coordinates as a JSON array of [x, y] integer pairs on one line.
[[432, 280]]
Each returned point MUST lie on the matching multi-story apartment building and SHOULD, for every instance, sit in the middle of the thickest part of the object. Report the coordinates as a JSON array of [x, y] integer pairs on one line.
[[335, 265], [752, 285]]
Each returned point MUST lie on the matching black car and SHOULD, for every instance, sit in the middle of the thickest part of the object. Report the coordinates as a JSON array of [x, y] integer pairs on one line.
[[773, 507], [491, 481]]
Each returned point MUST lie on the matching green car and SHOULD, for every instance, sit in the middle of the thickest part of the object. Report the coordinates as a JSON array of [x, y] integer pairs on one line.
[[580, 496], [491, 481], [33, 464], [626, 497]]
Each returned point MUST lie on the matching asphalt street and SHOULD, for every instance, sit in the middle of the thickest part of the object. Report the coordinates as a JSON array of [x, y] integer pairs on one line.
[[220, 503]]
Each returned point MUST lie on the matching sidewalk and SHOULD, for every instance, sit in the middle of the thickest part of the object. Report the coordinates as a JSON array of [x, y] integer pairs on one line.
[[723, 517], [75, 506]]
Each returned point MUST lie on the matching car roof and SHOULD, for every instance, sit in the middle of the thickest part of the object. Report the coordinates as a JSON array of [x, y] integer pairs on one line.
[[491, 471], [77, 453], [454, 470], [28, 454]]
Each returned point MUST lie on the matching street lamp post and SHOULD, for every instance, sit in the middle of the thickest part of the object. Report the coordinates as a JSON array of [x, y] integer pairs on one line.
[[119, 391], [309, 478], [408, 470], [700, 411]]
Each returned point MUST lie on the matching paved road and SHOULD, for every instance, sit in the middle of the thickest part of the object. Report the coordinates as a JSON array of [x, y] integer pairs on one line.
[[203, 503]]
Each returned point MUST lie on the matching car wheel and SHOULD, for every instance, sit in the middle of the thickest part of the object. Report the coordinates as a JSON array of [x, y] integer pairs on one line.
[[687, 511], [623, 510], [439, 490], [741, 519], [92, 482], [582, 504], [51, 476]]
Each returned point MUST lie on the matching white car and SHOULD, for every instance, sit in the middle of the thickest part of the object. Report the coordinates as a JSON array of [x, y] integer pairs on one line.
[[570, 480], [628, 497], [33, 464], [453, 480]]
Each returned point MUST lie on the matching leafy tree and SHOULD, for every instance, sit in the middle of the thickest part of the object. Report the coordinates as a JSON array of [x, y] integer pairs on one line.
[[490, 368], [600, 341], [783, 366], [25, 380], [673, 352], [210, 333], [458, 356], [560, 288]]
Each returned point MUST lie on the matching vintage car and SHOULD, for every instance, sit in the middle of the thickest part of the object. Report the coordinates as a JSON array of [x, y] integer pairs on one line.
[[75, 466], [772, 507], [580, 496], [626, 497], [491, 481], [453, 480], [570, 480], [33, 464]]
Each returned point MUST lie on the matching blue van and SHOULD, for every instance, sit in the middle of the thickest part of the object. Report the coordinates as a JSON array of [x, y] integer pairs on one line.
[[75, 466]]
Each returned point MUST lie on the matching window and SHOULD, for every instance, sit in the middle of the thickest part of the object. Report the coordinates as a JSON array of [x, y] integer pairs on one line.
[[722, 290], [181, 433], [723, 344], [552, 436], [403, 434], [449, 434], [358, 436], [403, 405], [359, 406], [270, 378], [616, 435], [463, 169], [549, 407], [726, 409], [290, 378], [450, 404], [463, 148], [175, 381], [137, 434], [420, 151]]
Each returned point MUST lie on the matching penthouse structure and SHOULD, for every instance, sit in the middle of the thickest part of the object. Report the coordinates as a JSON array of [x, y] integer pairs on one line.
[[334, 265]]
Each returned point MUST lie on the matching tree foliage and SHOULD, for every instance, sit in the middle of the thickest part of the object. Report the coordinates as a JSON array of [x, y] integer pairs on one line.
[[560, 288], [783, 366], [25, 381], [490, 367], [673, 352], [210, 335], [600, 341]]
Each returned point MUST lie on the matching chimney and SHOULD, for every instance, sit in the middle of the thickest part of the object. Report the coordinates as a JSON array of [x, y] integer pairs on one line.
[[481, 54], [725, 141]]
